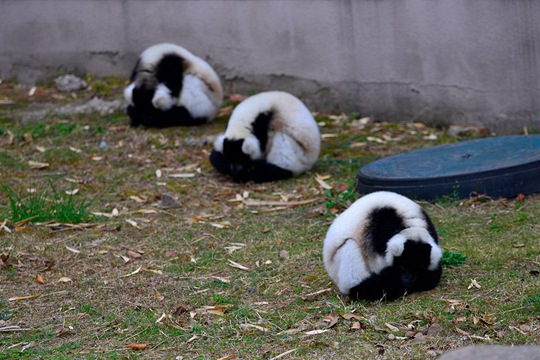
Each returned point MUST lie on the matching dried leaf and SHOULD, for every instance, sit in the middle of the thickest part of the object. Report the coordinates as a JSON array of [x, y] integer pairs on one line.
[[233, 247], [193, 338], [250, 202], [39, 279], [322, 183], [180, 310], [171, 254], [64, 279], [4, 227], [349, 316], [316, 332], [222, 279], [161, 318], [221, 225], [462, 332], [137, 346], [237, 265], [227, 357], [139, 199], [97, 213], [183, 176], [331, 320], [475, 284], [133, 254], [313, 294], [374, 139], [133, 273], [357, 145], [253, 326], [391, 327], [37, 165], [159, 272], [73, 250], [75, 181], [12, 328], [284, 254], [216, 312], [133, 223], [17, 298], [283, 354]]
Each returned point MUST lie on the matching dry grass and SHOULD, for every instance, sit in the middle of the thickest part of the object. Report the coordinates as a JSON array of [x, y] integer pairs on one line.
[[225, 275]]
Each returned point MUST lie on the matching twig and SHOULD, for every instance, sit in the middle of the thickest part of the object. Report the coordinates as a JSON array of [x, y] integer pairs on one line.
[[13, 328], [280, 203], [283, 354]]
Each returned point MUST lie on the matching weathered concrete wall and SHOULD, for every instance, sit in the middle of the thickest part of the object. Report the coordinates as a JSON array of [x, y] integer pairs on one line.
[[445, 61]]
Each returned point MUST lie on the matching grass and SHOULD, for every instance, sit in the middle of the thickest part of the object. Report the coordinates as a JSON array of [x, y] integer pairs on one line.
[[168, 281], [48, 204], [451, 258]]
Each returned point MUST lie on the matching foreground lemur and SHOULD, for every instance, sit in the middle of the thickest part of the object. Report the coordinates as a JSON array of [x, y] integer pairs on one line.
[[383, 246]]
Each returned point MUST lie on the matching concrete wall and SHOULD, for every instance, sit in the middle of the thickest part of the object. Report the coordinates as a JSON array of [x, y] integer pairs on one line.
[[444, 61]]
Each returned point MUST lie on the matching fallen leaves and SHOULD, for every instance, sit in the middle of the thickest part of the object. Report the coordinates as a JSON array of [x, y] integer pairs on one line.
[[37, 165], [322, 183], [19, 298], [312, 295], [256, 327], [39, 279], [133, 223], [75, 251], [284, 254], [12, 328], [237, 265], [475, 284], [3, 227], [137, 346]]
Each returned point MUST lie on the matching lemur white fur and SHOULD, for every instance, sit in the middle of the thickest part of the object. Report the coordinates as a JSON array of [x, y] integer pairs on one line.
[[346, 260], [201, 94], [294, 140]]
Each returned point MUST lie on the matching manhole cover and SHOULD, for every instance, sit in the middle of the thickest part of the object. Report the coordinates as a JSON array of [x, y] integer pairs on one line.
[[498, 167]]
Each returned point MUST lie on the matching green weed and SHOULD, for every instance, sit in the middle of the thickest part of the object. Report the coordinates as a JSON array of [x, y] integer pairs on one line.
[[340, 200], [451, 259], [48, 204]]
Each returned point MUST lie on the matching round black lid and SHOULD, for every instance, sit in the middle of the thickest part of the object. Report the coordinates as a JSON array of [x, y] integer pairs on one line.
[[499, 167]]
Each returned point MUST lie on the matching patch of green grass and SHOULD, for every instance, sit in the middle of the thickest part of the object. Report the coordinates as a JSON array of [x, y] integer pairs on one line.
[[106, 86], [113, 299], [5, 313], [533, 302], [9, 161], [340, 200], [61, 156], [48, 204], [451, 259]]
